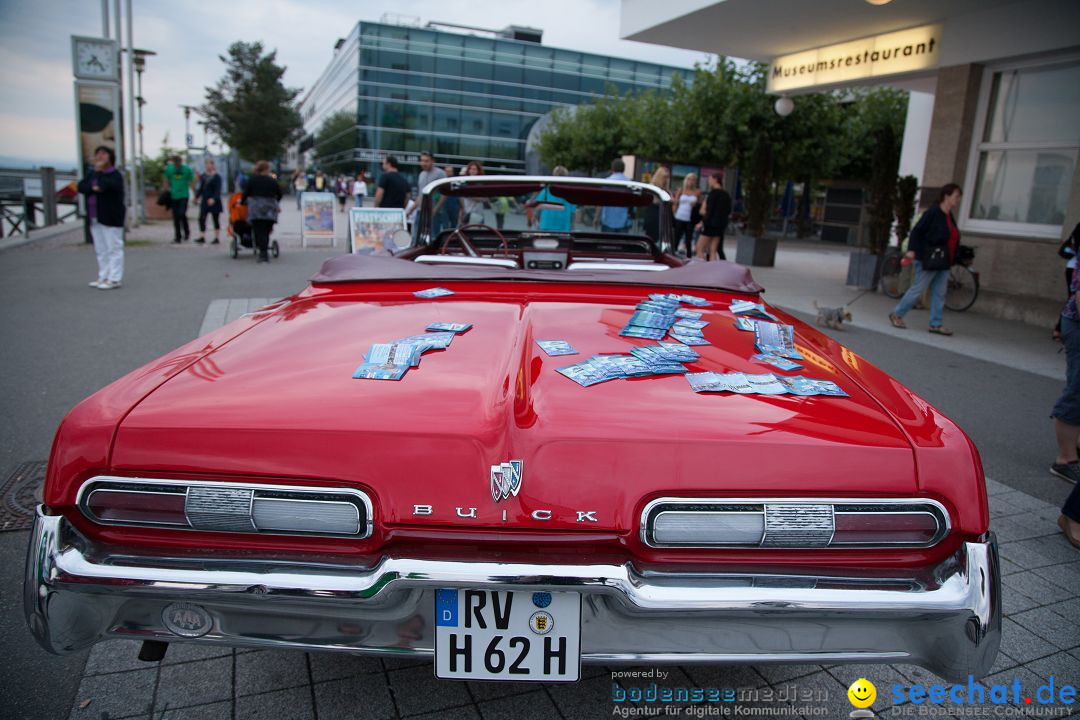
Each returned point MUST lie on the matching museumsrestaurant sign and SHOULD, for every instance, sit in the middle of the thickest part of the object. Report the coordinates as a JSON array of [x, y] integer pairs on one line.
[[905, 51]]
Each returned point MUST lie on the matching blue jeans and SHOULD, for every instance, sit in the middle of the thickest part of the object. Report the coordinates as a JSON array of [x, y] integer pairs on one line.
[[938, 280], [605, 228]]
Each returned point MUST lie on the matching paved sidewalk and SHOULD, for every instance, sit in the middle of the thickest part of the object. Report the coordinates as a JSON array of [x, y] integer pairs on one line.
[[808, 271]]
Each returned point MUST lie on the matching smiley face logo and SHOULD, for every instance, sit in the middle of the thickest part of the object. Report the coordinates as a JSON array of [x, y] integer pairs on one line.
[[862, 693]]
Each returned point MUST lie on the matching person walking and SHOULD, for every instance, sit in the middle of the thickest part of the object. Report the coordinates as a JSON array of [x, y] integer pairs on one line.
[[686, 201], [320, 181], [1068, 251], [449, 204], [1066, 415], [650, 215], [472, 206], [429, 173], [359, 189], [714, 222], [932, 245], [614, 219], [104, 191], [299, 184], [262, 196], [343, 189], [209, 196], [392, 190], [179, 180]]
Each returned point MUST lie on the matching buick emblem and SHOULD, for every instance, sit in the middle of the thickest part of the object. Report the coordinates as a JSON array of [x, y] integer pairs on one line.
[[505, 480]]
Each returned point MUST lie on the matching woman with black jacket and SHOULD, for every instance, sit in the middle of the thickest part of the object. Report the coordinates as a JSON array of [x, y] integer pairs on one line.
[[104, 191], [208, 195], [932, 245], [262, 196]]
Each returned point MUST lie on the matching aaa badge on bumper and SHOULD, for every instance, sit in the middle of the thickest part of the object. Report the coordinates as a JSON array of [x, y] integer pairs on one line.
[[503, 635]]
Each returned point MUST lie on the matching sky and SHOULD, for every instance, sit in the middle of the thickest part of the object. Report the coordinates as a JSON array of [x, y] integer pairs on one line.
[[37, 106]]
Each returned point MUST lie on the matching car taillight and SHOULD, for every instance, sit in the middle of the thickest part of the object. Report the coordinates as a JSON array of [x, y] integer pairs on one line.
[[227, 507], [884, 527], [155, 506], [792, 523]]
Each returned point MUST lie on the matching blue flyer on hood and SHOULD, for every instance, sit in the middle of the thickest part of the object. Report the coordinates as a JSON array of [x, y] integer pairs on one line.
[[393, 354], [374, 371], [554, 348], [448, 327]]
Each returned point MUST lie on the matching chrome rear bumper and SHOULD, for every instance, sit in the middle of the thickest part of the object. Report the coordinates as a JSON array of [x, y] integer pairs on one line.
[[947, 619]]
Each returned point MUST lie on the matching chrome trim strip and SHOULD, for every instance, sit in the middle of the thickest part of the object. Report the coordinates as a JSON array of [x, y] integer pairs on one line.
[[945, 617], [944, 528], [87, 488]]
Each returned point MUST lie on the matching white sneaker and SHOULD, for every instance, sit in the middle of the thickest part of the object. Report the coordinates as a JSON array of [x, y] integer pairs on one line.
[[108, 285], [96, 283]]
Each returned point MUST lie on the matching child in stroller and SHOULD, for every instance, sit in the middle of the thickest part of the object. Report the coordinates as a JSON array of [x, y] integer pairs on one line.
[[240, 228]]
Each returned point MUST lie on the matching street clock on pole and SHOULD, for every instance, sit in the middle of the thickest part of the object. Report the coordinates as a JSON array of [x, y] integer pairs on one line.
[[95, 58]]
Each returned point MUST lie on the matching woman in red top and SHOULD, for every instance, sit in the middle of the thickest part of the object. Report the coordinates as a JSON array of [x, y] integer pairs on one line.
[[932, 245]]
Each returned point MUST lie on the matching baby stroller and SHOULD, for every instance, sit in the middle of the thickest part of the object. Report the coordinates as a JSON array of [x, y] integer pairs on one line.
[[240, 228]]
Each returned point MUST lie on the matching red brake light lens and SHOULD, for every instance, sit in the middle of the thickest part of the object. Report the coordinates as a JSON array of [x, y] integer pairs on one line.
[[884, 528], [138, 506]]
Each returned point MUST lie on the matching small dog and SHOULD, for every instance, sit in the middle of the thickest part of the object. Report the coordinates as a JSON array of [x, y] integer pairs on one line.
[[832, 317]]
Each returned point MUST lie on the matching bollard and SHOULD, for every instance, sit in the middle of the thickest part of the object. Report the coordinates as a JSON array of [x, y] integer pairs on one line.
[[48, 195]]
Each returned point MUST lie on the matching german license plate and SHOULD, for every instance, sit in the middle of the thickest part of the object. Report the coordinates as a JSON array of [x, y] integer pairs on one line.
[[504, 635]]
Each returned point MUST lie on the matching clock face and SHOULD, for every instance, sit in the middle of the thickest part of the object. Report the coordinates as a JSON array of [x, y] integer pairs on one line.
[[95, 59]]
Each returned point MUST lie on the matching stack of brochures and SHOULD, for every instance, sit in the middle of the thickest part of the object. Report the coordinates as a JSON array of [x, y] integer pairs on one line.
[[390, 361], [659, 359], [662, 314], [764, 384]]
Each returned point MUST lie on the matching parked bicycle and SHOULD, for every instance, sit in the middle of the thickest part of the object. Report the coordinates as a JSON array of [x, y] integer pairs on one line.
[[963, 287]]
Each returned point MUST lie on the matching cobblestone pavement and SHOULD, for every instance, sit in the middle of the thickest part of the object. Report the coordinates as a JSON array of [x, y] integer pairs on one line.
[[1041, 639]]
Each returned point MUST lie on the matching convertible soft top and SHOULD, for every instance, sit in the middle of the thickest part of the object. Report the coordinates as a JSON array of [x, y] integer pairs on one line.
[[695, 274]]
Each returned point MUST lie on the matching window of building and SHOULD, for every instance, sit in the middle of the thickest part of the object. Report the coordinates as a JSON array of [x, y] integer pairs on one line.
[[475, 122], [446, 119], [1026, 153]]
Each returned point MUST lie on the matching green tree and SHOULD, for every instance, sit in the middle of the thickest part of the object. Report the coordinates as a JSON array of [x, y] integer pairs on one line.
[[588, 137], [335, 141], [250, 108]]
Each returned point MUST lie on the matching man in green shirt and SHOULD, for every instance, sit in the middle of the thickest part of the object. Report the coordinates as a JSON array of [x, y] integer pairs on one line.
[[179, 179]]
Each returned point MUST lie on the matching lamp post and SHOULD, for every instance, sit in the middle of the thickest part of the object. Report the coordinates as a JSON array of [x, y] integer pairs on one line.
[[139, 61], [188, 140]]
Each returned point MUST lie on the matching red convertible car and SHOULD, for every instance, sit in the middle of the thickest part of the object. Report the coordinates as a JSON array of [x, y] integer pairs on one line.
[[515, 451]]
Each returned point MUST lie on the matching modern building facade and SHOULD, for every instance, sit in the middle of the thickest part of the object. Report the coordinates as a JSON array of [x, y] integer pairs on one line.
[[463, 96], [994, 106]]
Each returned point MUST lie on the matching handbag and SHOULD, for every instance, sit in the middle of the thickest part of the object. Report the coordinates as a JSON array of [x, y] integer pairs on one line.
[[937, 258], [164, 199]]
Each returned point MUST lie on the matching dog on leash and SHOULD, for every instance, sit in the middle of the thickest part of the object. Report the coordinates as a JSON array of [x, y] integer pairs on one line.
[[832, 317]]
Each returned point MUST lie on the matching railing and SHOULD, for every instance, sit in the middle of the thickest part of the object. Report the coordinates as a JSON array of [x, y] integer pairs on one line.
[[24, 206]]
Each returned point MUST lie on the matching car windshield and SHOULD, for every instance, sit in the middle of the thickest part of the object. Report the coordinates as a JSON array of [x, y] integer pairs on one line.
[[556, 205]]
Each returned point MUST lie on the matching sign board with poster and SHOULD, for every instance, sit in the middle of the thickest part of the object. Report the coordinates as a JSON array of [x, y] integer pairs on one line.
[[98, 116], [317, 217], [373, 231]]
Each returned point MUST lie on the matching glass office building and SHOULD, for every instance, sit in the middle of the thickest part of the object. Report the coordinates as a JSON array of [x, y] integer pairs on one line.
[[462, 96]]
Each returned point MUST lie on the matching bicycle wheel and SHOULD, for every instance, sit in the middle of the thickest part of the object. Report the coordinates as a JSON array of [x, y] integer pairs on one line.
[[890, 276], [962, 290]]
